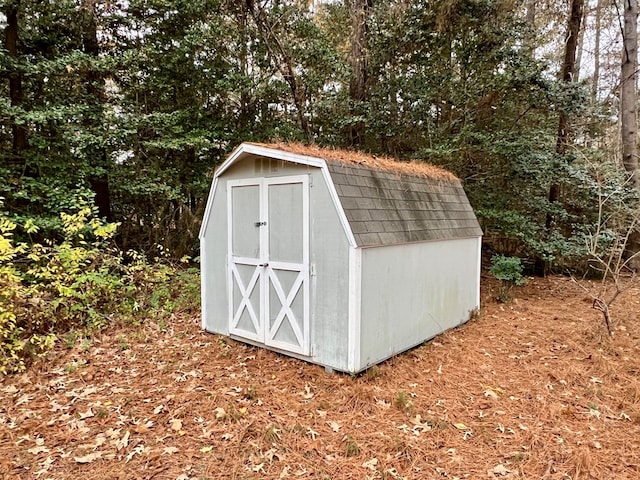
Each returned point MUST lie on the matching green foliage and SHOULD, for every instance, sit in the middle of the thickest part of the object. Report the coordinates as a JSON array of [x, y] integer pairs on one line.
[[509, 271], [141, 120], [47, 289]]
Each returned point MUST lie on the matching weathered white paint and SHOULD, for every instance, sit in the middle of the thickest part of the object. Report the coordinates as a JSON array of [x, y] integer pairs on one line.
[[413, 292]]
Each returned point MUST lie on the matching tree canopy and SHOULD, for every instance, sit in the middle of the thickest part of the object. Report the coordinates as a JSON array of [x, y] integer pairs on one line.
[[134, 103]]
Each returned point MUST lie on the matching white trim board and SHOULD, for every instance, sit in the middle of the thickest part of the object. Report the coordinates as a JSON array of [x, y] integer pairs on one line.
[[355, 309]]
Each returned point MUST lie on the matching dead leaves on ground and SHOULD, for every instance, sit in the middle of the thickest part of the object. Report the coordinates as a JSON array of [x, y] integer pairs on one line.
[[508, 399]]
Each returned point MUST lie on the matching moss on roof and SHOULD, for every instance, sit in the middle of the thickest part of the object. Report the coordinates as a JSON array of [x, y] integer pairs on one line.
[[415, 167]]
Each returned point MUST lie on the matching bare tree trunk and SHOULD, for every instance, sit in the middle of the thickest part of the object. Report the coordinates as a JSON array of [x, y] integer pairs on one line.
[[98, 157], [596, 51], [359, 10], [19, 132], [580, 47], [628, 91], [567, 74], [531, 13]]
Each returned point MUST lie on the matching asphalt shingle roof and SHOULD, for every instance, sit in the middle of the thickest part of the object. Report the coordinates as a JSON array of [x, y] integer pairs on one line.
[[385, 207]]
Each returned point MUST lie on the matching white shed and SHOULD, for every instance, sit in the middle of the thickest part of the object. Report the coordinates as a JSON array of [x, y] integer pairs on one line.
[[336, 258]]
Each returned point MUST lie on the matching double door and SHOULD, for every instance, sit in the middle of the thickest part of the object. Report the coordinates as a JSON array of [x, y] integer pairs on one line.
[[268, 261]]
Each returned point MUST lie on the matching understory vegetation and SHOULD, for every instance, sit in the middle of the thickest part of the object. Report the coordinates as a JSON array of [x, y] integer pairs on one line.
[[113, 116], [82, 282]]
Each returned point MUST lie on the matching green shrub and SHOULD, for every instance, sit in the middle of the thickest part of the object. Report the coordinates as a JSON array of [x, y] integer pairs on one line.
[[508, 270], [81, 282]]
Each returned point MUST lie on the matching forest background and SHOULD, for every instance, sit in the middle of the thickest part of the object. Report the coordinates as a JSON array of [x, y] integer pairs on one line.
[[113, 115]]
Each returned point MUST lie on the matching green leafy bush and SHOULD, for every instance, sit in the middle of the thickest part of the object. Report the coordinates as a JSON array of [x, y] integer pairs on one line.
[[509, 271], [83, 281]]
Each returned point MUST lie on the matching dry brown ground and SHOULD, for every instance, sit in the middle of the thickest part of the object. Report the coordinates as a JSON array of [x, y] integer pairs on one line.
[[530, 390]]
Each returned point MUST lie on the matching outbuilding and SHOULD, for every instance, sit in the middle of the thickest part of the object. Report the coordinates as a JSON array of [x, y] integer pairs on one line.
[[334, 257]]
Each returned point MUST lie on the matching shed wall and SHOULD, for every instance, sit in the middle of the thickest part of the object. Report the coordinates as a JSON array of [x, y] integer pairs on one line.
[[413, 292], [329, 261]]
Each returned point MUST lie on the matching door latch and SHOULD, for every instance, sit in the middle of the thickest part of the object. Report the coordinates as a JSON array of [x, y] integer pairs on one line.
[[260, 224], [263, 265]]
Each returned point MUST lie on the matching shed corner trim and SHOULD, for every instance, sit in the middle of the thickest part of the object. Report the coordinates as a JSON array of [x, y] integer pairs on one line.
[[207, 210], [355, 298]]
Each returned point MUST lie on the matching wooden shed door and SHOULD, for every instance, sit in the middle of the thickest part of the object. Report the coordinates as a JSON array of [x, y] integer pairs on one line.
[[269, 261]]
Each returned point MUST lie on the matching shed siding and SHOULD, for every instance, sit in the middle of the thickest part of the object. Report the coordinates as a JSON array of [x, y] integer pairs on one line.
[[213, 246], [330, 280], [411, 293]]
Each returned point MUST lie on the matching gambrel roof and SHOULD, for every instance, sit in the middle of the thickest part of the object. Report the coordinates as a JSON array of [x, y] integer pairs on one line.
[[382, 201], [385, 207]]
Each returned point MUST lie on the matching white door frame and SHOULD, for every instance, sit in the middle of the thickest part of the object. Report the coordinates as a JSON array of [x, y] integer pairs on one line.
[[264, 274]]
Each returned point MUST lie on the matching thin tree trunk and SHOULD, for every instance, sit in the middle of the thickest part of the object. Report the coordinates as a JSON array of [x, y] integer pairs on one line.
[[98, 157], [628, 92], [580, 47], [596, 51], [567, 74], [531, 13], [19, 132], [359, 10]]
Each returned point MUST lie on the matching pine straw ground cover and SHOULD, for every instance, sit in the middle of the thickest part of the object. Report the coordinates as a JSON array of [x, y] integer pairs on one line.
[[530, 390]]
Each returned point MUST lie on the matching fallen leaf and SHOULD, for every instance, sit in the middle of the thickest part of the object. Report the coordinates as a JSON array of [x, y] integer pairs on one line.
[[285, 472], [139, 449], [221, 414], [176, 424], [500, 470], [23, 399], [38, 449], [123, 442], [158, 409], [312, 433], [308, 393], [88, 458], [206, 449], [371, 464], [490, 394], [45, 467], [10, 389], [335, 426], [170, 450], [88, 414], [460, 426]]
